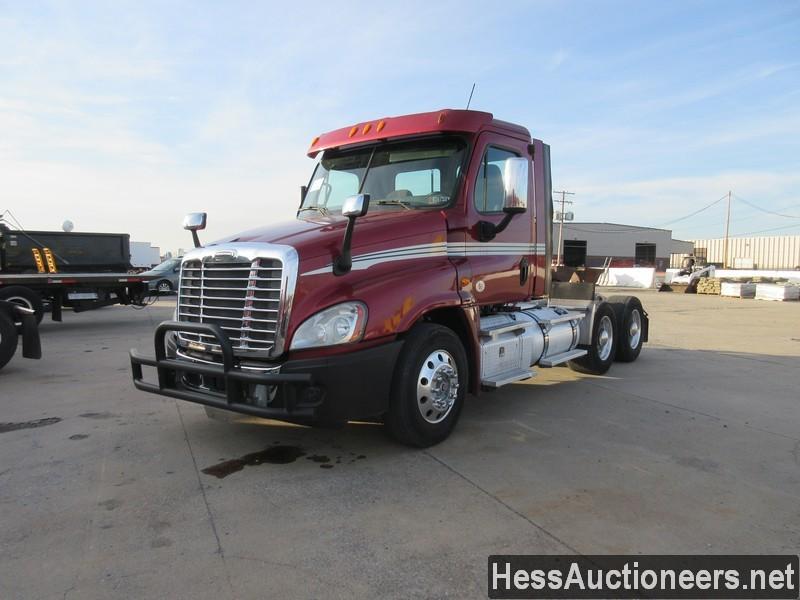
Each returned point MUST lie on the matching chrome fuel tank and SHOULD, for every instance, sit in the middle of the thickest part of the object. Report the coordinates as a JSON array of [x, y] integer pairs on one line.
[[513, 341]]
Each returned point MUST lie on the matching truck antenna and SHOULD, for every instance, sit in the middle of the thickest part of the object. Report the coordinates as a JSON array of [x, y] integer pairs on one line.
[[470, 96]]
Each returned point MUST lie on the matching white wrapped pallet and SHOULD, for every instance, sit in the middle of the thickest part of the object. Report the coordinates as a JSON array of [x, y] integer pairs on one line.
[[777, 291], [736, 289]]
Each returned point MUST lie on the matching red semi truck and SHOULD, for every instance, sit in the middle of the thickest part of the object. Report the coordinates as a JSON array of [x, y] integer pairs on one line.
[[417, 270]]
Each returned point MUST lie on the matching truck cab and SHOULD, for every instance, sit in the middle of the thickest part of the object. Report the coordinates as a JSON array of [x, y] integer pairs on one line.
[[417, 268]]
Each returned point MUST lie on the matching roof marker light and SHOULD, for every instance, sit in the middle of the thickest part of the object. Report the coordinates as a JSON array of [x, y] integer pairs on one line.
[[353, 131], [440, 120], [314, 141], [381, 125], [366, 129]]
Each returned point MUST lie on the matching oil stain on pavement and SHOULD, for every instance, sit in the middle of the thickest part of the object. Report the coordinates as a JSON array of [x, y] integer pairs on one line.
[[6, 427], [275, 455]]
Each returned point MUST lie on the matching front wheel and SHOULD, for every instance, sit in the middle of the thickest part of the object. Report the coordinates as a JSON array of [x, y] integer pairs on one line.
[[164, 287], [429, 386], [601, 352]]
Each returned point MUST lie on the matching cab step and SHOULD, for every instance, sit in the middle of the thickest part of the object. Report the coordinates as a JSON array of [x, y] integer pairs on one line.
[[501, 379], [552, 361]]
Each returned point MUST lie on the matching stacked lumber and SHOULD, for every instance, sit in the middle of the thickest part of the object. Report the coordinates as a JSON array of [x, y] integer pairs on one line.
[[777, 291], [709, 285], [738, 289]]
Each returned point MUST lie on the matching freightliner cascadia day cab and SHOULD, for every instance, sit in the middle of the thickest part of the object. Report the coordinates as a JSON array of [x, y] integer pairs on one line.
[[417, 270]]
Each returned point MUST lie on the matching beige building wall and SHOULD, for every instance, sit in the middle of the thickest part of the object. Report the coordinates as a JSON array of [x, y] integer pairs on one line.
[[773, 252]]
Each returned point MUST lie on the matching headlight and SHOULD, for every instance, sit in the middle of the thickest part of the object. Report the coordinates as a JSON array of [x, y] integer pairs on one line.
[[340, 324]]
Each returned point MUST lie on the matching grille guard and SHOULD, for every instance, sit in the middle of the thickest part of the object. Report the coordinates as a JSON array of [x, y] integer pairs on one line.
[[168, 370]]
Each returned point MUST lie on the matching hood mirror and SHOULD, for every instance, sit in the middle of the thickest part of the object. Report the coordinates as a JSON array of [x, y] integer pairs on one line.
[[194, 222], [353, 207], [356, 206]]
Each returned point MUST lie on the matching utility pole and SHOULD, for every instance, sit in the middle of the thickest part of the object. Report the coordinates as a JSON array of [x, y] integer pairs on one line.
[[561, 222], [727, 231]]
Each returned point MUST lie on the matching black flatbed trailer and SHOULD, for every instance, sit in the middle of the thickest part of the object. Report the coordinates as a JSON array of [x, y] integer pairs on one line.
[[79, 291], [82, 271]]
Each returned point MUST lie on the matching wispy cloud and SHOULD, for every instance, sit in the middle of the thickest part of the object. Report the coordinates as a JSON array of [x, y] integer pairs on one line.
[[557, 59]]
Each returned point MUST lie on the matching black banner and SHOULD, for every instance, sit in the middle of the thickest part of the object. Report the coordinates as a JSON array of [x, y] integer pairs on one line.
[[661, 576]]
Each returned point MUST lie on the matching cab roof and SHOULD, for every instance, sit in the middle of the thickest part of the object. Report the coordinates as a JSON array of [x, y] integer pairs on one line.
[[439, 121]]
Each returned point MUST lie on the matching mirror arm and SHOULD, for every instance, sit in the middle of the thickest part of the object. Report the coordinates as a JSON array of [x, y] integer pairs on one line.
[[195, 238], [488, 230], [344, 262]]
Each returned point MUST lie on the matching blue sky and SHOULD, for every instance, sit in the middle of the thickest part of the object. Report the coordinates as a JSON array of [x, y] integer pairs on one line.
[[124, 116]]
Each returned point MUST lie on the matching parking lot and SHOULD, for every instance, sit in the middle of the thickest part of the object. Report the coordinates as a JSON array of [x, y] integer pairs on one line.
[[695, 448]]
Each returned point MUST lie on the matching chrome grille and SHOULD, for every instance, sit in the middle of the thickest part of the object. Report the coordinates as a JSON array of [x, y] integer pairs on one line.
[[241, 295]]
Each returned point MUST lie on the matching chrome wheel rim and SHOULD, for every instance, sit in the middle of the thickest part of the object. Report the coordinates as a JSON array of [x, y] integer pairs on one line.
[[635, 329], [164, 287], [20, 301], [437, 386], [605, 338]]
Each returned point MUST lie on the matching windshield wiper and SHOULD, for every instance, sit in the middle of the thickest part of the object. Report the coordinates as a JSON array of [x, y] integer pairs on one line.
[[393, 202], [320, 209]]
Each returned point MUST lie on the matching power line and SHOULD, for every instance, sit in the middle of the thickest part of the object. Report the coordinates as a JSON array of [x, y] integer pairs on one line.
[[697, 212], [765, 230], [771, 212]]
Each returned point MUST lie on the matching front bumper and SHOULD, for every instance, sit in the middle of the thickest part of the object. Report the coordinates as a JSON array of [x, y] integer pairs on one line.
[[355, 385]]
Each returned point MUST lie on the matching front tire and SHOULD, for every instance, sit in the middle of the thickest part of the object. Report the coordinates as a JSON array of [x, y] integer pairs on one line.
[[164, 287], [25, 297], [429, 386], [603, 349], [8, 339]]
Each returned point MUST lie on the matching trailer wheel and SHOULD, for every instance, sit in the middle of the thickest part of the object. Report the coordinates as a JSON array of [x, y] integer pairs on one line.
[[8, 339], [428, 387], [630, 317], [603, 348], [24, 296]]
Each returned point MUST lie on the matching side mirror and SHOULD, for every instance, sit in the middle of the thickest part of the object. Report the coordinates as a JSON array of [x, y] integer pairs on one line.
[[194, 222], [515, 184], [353, 207], [356, 206], [515, 199]]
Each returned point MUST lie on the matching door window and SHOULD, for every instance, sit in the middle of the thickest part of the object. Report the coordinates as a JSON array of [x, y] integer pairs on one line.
[[489, 190]]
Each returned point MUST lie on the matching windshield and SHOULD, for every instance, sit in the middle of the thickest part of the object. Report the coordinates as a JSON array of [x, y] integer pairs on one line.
[[405, 175], [168, 265]]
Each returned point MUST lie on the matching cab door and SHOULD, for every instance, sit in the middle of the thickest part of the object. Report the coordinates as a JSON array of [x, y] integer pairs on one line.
[[502, 268]]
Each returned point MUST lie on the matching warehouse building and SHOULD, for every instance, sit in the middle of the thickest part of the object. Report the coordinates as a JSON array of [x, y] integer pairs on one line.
[[590, 244], [769, 252]]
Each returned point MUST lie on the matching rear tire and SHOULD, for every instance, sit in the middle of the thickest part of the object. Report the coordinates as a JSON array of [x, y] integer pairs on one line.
[[8, 339], [603, 348], [630, 320], [428, 387], [26, 297]]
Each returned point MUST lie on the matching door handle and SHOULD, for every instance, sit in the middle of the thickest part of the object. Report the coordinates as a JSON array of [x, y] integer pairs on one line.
[[524, 270]]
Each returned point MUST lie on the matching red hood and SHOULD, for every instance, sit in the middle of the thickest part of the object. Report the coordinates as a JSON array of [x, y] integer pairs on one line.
[[314, 235]]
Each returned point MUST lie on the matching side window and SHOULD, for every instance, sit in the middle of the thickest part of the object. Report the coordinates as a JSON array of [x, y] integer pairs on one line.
[[489, 190], [419, 183]]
